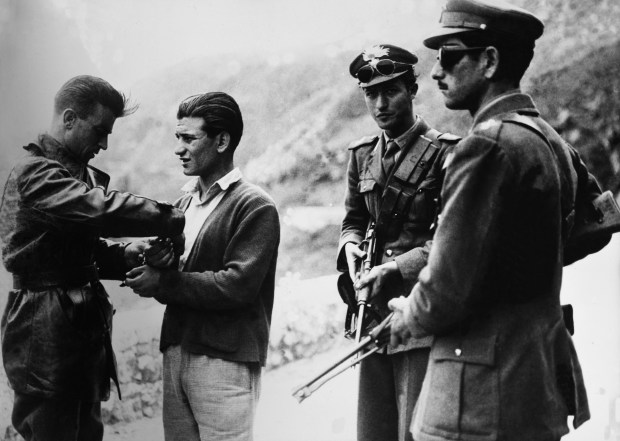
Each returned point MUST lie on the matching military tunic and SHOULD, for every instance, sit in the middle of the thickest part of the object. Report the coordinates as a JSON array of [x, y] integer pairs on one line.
[[403, 206], [503, 365]]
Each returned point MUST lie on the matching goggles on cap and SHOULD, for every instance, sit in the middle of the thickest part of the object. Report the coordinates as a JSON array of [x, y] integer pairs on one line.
[[382, 67], [448, 57]]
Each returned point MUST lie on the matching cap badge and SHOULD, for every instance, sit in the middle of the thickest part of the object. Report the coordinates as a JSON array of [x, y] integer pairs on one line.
[[373, 52]]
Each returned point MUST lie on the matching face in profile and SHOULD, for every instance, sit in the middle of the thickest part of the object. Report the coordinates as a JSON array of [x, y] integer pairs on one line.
[[459, 73], [87, 136], [197, 152]]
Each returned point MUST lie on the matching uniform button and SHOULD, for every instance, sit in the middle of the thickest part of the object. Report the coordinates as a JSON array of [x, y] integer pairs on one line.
[[457, 352], [389, 253]]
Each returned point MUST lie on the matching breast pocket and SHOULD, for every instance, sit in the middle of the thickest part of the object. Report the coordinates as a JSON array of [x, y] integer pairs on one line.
[[462, 393], [368, 188], [423, 205]]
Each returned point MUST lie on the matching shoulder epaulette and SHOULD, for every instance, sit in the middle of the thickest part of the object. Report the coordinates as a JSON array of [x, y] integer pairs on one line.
[[524, 121], [489, 128], [366, 140], [449, 137]]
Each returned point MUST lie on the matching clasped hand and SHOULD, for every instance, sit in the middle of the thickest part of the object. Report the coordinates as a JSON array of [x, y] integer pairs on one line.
[[149, 257]]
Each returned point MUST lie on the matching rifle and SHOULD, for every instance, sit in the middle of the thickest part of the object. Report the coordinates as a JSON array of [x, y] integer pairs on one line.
[[362, 295], [376, 340]]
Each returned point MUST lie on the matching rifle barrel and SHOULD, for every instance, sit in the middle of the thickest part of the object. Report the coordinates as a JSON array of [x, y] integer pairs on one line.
[[305, 390]]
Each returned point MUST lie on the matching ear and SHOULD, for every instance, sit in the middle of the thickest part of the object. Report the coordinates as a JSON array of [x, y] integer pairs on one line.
[[223, 142], [414, 90], [491, 62], [69, 117]]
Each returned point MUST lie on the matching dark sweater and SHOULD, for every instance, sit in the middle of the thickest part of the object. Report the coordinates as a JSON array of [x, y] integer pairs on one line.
[[220, 304]]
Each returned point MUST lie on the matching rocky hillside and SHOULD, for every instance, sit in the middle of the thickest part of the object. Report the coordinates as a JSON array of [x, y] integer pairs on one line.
[[301, 113]]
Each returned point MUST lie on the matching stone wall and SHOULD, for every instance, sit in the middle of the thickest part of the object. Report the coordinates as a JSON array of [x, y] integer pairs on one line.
[[307, 316]]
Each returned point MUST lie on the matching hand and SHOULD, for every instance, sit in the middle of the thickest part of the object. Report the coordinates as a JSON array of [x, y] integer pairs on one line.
[[134, 252], [354, 254], [160, 253], [400, 331], [376, 278], [144, 280]]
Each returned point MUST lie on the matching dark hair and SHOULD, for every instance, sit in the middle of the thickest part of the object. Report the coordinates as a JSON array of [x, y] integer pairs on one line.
[[83, 92], [515, 55], [219, 111]]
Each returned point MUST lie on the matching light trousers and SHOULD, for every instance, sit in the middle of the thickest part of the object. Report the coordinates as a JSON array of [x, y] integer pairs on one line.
[[208, 399]]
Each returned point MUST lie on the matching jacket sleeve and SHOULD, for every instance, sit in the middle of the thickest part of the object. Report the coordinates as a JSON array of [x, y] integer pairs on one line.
[[464, 241], [110, 258], [588, 190], [356, 216], [248, 258], [56, 197], [411, 263]]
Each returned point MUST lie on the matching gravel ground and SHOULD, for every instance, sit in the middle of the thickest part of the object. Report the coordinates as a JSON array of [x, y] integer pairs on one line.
[[592, 286], [327, 415]]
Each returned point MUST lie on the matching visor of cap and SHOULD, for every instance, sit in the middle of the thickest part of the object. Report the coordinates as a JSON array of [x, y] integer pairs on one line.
[[497, 17], [378, 78], [442, 34]]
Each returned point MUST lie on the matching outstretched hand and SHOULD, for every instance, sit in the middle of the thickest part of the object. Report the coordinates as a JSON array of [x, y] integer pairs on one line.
[[156, 251], [160, 253]]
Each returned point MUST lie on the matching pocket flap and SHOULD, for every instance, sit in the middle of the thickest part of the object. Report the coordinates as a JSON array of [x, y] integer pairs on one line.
[[476, 350], [366, 185]]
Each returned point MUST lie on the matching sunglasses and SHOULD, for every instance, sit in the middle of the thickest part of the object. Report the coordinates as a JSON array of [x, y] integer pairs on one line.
[[448, 57], [383, 67]]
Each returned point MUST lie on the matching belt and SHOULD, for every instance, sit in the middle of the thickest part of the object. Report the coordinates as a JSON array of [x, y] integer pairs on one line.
[[62, 277]]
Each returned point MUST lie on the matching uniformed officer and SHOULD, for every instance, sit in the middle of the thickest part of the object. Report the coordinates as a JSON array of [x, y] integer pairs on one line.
[[502, 365], [393, 182]]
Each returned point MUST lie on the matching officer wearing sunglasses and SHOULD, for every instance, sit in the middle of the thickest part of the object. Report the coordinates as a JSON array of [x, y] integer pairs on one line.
[[394, 179], [503, 365]]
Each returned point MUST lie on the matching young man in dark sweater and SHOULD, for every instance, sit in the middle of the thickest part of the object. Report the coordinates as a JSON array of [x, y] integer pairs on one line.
[[216, 326]]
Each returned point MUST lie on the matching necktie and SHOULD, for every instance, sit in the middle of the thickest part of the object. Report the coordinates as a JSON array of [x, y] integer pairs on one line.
[[389, 157]]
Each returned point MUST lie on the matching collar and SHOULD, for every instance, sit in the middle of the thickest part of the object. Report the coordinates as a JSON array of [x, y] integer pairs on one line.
[[52, 149], [417, 129], [192, 187], [511, 101]]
